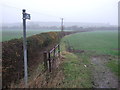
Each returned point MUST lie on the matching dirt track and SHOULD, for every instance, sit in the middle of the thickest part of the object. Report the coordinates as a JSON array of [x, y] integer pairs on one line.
[[102, 76]]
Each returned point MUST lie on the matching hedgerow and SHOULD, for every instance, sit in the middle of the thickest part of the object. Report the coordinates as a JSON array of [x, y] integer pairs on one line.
[[12, 55]]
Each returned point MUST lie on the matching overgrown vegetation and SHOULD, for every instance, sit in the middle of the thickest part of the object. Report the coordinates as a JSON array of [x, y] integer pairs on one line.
[[12, 55]]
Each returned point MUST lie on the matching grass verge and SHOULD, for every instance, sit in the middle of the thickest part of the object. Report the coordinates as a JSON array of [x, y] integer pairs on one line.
[[113, 65], [76, 69]]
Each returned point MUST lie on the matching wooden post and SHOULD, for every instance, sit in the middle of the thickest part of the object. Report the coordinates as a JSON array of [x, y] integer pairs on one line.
[[54, 51], [45, 61], [49, 58], [59, 50]]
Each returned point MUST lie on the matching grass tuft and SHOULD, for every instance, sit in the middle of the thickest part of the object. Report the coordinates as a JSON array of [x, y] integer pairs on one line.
[[113, 65]]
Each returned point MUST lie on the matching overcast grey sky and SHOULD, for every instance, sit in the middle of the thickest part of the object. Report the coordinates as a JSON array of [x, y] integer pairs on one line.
[[92, 11]]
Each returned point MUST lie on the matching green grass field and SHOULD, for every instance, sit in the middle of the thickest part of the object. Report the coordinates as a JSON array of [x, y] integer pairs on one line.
[[100, 42], [77, 67], [15, 34], [97, 43]]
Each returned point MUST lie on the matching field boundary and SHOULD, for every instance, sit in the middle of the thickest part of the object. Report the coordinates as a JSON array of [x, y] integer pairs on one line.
[[50, 58], [12, 61]]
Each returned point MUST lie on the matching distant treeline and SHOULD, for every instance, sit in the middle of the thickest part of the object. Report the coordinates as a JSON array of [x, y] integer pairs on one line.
[[38, 27]]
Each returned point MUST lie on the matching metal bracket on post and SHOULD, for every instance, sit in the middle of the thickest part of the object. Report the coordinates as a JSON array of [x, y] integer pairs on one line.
[[25, 16]]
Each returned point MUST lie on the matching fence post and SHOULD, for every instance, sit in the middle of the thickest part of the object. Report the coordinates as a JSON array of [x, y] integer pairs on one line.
[[54, 51], [49, 58], [59, 50], [45, 61]]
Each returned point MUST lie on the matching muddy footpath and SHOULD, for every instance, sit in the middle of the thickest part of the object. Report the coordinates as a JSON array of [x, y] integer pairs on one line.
[[102, 75]]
